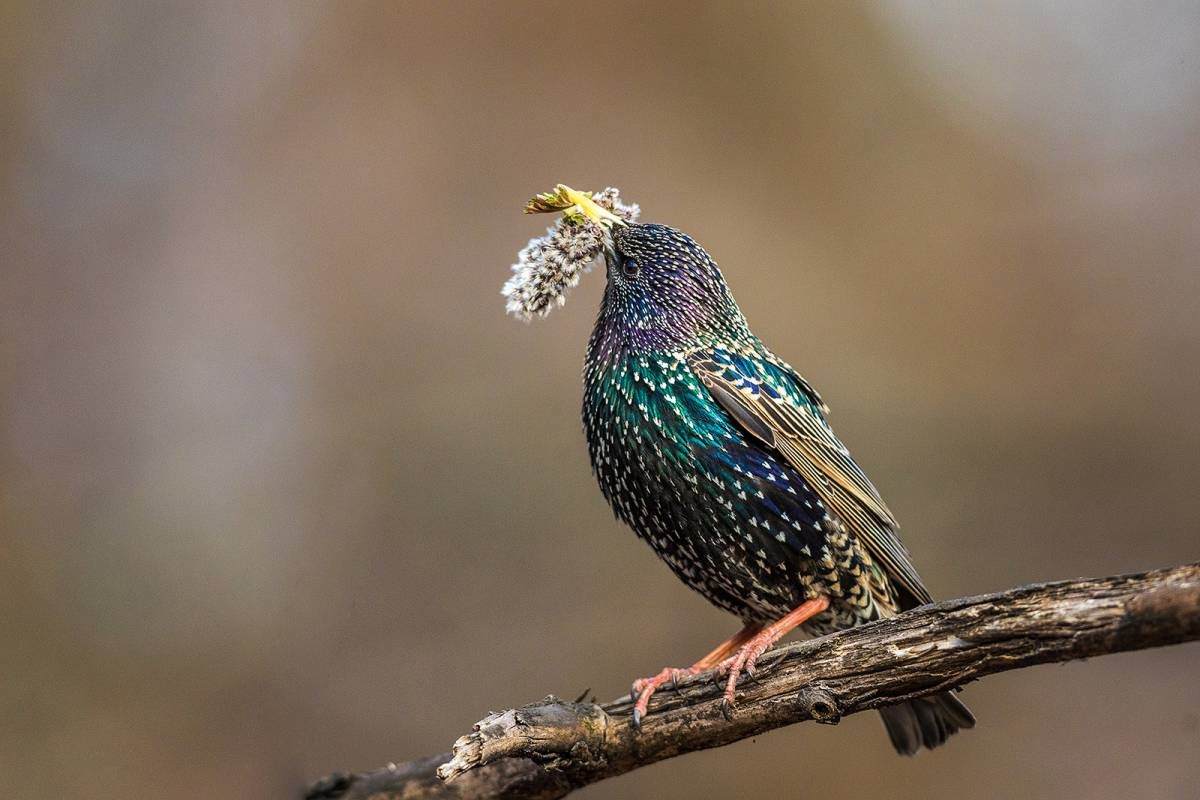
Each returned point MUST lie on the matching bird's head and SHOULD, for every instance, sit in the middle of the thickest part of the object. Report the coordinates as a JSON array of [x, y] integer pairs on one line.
[[665, 291]]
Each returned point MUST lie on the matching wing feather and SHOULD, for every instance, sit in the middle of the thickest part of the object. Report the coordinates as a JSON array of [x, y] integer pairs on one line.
[[798, 431]]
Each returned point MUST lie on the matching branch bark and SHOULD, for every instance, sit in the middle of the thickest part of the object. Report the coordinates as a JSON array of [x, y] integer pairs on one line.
[[545, 750]]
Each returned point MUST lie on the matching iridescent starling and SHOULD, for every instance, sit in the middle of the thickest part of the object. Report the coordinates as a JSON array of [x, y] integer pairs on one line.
[[721, 457]]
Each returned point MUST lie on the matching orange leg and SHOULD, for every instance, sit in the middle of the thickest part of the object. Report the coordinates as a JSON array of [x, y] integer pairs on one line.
[[749, 652], [644, 688]]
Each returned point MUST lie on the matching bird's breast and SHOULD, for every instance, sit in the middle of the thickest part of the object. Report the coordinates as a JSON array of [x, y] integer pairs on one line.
[[645, 415]]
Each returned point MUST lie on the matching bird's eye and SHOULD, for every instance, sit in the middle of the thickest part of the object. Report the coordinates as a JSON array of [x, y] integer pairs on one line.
[[629, 267]]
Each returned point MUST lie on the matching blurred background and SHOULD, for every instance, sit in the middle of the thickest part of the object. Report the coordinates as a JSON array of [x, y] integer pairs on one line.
[[283, 491]]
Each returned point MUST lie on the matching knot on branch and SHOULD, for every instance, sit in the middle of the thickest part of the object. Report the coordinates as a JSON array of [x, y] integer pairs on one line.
[[819, 705]]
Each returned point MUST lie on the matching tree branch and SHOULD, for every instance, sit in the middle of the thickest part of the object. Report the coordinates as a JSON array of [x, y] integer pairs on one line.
[[545, 750]]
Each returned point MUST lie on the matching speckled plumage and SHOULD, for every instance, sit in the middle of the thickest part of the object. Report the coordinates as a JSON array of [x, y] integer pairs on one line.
[[720, 456], [732, 518]]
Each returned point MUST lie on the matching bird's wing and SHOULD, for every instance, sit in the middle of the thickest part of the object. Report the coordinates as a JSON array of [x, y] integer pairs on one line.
[[775, 406]]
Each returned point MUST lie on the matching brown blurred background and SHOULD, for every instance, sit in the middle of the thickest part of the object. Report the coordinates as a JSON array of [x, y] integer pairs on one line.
[[284, 491]]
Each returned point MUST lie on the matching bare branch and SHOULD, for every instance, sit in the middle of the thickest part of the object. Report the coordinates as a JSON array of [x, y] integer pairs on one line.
[[547, 749]]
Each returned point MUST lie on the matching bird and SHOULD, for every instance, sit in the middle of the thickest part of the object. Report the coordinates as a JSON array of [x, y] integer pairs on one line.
[[720, 456]]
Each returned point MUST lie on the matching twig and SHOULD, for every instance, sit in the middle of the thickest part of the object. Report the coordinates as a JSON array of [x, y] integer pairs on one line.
[[545, 750]]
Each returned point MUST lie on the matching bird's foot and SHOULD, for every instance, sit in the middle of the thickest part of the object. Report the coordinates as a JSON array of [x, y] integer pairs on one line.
[[644, 688], [745, 660], [720, 658], [746, 657]]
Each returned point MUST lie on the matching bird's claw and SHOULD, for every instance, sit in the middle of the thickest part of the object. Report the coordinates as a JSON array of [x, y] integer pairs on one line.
[[727, 709], [644, 688]]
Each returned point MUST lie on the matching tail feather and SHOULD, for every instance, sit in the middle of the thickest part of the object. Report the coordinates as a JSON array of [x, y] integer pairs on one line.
[[925, 722]]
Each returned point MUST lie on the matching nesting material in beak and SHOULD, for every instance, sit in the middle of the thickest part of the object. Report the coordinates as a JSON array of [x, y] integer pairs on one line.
[[552, 264]]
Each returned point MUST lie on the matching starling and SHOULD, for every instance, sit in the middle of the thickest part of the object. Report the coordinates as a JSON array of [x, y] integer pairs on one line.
[[720, 456]]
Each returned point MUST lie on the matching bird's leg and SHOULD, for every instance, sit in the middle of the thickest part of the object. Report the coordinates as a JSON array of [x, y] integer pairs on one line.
[[748, 653], [644, 688]]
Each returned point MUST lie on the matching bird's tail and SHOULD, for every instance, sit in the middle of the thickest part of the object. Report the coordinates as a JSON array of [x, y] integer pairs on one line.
[[925, 722]]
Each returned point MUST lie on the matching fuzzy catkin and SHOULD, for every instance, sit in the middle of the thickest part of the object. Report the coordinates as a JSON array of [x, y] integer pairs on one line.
[[552, 264]]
